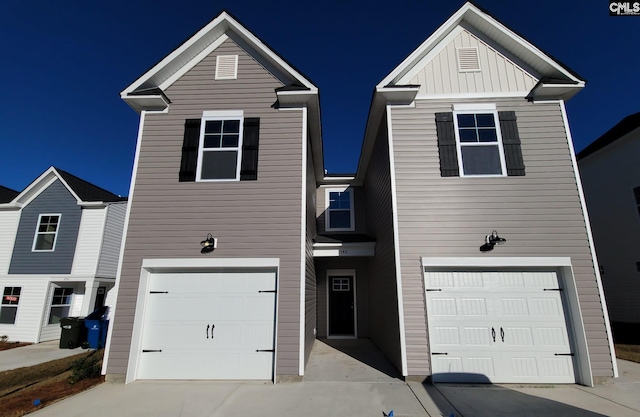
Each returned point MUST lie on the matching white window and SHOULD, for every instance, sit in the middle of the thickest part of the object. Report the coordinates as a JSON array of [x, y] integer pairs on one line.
[[9, 306], [46, 233], [220, 149], [339, 209], [478, 140], [60, 304]]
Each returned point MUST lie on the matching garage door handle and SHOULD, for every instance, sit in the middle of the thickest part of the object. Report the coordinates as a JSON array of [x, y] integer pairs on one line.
[[212, 327], [502, 334], [265, 350], [493, 334]]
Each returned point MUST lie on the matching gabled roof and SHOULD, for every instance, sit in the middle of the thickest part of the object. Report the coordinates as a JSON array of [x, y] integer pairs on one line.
[[84, 192], [545, 65], [626, 125], [148, 91], [7, 194], [555, 80], [157, 79]]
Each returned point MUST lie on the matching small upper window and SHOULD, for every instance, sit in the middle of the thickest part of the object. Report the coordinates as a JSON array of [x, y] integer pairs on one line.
[[339, 212], [46, 233], [9, 306], [219, 153], [479, 143]]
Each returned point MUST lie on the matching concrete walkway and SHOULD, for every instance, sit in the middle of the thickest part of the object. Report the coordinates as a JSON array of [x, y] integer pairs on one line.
[[34, 354], [368, 391]]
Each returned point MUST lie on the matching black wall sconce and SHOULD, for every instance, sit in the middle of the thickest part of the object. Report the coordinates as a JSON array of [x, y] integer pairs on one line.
[[490, 241], [209, 244]]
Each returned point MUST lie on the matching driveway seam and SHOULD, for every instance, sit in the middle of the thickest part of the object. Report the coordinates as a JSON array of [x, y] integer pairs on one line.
[[608, 399]]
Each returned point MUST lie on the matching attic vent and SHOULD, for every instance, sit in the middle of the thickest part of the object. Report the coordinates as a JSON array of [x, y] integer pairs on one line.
[[468, 59], [226, 67]]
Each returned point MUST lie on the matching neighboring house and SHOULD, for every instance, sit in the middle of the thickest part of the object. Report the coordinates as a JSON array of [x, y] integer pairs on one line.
[[59, 246], [466, 137], [611, 179]]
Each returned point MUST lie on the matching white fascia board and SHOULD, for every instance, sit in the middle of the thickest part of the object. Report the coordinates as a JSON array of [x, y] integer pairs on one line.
[[415, 56], [203, 263], [482, 262]]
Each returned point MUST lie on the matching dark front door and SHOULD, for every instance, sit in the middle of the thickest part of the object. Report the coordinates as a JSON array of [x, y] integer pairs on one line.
[[341, 306], [100, 296]]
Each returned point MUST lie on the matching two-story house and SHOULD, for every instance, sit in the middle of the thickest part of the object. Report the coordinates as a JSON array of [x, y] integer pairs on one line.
[[460, 247], [59, 248], [611, 179]]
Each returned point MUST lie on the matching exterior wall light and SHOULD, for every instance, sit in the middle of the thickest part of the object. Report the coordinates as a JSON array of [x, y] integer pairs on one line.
[[209, 244], [490, 241]]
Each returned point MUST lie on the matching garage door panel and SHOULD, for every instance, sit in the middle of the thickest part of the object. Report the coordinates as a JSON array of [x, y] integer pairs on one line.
[[528, 323], [209, 326]]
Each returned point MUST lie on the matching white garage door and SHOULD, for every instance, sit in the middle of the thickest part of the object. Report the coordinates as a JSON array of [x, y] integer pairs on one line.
[[506, 327], [209, 326]]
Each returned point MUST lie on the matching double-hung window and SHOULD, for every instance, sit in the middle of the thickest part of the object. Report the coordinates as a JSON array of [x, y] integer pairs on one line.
[[479, 141], [46, 233], [339, 214], [220, 149], [60, 304], [9, 306]]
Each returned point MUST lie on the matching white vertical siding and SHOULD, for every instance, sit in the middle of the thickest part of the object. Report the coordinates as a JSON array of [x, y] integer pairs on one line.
[[85, 260], [9, 221], [498, 73]]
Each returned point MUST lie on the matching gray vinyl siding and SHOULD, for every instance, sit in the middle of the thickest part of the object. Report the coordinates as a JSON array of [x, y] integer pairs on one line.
[[608, 178], [55, 199], [259, 218], [385, 331], [310, 270], [112, 240], [360, 265], [358, 205], [539, 214]]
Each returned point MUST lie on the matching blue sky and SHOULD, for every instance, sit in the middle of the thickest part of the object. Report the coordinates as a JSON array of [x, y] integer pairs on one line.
[[66, 61]]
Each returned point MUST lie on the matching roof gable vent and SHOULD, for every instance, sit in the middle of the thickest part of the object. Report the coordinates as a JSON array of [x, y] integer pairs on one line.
[[226, 67], [468, 59]]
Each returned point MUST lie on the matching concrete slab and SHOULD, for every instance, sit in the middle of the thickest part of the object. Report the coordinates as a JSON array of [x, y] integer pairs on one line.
[[34, 354], [348, 360]]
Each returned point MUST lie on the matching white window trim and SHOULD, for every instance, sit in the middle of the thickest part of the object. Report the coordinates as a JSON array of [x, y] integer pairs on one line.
[[51, 306], [55, 237], [220, 115], [484, 108], [326, 209]]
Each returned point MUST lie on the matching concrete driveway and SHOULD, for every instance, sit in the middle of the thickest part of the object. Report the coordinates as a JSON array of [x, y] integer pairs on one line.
[[34, 354], [350, 381]]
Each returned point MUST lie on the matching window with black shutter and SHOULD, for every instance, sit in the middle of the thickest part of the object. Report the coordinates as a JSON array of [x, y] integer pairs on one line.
[[479, 142], [222, 146]]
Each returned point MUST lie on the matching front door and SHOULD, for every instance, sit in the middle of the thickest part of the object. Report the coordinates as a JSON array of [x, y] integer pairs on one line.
[[341, 305]]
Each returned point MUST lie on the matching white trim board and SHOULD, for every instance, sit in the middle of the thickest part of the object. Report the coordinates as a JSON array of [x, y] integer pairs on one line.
[[303, 244], [592, 247]]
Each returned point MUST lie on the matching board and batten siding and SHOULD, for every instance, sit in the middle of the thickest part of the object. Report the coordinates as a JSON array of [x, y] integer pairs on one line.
[[539, 214], [608, 178], [112, 240], [383, 299], [85, 260], [9, 221], [497, 72], [259, 219], [310, 301], [358, 206], [55, 199]]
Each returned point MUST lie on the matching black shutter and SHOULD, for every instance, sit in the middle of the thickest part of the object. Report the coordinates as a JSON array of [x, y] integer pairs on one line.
[[447, 145], [249, 167], [189, 162], [511, 143]]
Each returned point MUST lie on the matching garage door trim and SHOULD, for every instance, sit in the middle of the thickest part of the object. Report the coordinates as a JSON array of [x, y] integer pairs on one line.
[[566, 278], [151, 266]]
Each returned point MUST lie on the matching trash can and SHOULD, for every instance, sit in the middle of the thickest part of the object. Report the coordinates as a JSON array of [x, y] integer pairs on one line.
[[96, 325], [73, 332]]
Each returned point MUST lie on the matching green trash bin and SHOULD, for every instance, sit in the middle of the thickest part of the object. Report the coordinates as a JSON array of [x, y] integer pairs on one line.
[[73, 332]]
